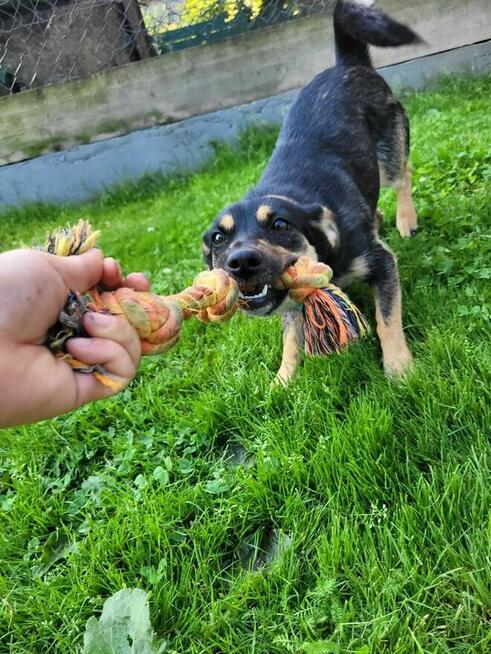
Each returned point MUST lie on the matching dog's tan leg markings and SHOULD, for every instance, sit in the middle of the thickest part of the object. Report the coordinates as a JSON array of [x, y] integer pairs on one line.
[[292, 347], [227, 223], [406, 218], [388, 313]]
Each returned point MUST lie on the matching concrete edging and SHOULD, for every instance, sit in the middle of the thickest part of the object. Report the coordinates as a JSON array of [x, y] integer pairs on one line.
[[86, 171]]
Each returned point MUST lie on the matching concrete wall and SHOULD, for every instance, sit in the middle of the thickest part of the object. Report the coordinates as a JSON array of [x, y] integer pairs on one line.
[[85, 171], [259, 64]]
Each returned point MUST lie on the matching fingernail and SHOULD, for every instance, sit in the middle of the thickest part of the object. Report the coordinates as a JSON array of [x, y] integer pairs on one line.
[[97, 319], [115, 264]]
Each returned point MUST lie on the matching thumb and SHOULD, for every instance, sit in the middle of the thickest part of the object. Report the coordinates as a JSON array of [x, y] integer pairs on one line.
[[80, 272]]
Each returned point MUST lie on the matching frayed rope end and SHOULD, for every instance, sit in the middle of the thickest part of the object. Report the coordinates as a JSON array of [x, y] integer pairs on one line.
[[331, 321]]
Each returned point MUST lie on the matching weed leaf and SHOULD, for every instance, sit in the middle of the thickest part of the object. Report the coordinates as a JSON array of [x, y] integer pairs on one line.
[[57, 548], [124, 626]]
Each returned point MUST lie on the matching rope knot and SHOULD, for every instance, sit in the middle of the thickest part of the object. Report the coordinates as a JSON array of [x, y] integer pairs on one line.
[[330, 320], [222, 295], [303, 278], [157, 319]]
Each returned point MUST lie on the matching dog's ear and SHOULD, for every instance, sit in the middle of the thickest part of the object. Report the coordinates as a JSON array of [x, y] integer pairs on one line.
[[312, 211], [206, 249], [323, 219]]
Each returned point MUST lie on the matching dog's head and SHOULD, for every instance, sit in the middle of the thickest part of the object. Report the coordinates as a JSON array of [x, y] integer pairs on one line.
[[256, 239]]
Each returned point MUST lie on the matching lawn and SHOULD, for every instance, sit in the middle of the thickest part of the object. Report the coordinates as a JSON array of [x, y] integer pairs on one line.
[[346, 514]]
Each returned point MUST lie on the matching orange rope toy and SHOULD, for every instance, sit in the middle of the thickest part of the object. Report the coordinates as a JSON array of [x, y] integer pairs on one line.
[[330, 323], [330, 320]]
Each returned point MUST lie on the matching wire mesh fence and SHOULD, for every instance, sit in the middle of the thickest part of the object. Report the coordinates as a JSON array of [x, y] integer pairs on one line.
[[48, 41]]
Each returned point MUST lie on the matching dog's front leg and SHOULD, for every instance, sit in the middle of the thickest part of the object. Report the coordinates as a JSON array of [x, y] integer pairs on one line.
[[292, 347], [406, 217], [396, 356]]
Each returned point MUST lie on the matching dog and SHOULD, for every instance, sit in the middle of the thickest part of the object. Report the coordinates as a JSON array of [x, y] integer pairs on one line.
[[343, 137]]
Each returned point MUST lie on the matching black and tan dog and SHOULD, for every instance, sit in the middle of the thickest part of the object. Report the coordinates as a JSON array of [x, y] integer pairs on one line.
[[344, 136]]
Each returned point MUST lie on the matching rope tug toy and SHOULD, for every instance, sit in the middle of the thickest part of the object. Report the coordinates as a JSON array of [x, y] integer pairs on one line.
[[330, 320]]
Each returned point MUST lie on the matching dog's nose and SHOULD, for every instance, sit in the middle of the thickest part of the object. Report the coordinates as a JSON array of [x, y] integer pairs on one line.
[[244, 263]]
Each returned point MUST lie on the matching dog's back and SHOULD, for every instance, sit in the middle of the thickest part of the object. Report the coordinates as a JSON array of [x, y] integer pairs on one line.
[[345, 122]]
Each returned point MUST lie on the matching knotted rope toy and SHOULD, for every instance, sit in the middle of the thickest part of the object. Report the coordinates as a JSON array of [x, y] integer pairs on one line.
[[330, 320], [213, 297]]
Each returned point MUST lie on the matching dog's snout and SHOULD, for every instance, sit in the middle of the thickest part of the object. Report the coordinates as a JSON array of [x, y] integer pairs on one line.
[[244, 263]]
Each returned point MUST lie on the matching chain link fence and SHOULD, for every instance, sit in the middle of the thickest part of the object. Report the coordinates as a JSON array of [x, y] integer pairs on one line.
[[47, 41]]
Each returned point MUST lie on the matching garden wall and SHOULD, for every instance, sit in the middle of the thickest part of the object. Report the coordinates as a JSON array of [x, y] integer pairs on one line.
[[175, 90]]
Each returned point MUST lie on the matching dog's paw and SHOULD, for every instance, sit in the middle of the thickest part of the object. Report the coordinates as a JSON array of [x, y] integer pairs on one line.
[[399, 365], [283, 377], [407, 223]]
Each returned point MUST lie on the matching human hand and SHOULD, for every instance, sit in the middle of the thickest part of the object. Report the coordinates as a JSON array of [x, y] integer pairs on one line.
[[35, 385]]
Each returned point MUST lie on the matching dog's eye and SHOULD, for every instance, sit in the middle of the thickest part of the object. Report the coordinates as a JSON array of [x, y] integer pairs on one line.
[[218, 238], [280, 225]]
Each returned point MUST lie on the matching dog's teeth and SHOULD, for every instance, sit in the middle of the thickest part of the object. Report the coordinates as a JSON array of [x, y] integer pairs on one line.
[[256, 296]]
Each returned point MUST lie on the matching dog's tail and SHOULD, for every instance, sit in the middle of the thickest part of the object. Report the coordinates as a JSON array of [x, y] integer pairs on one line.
[[357, 24]]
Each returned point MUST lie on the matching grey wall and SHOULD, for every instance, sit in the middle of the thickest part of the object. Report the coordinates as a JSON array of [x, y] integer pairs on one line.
[[85, 171], [201, 80]]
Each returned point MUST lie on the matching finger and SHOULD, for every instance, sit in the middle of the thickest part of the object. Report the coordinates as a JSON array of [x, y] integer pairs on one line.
[[116, 329], [80, 272], [112, 276], [90, 389], [137, 281], [103, 352]]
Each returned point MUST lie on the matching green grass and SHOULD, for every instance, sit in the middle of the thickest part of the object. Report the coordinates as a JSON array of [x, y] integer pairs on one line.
[[381, 491]]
